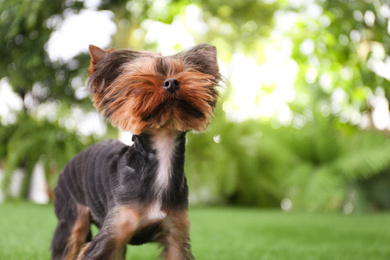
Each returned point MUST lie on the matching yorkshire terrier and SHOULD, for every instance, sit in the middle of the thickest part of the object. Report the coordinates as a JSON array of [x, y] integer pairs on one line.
[[136, 194]]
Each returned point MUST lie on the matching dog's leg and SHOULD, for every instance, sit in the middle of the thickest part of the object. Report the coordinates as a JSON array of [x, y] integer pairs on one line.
[[110, 243], [83, 250], [80, 232], [73, 228], [121, 253], [176, 244]]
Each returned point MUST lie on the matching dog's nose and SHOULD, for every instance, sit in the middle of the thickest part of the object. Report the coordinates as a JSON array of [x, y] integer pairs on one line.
[[171, 85]]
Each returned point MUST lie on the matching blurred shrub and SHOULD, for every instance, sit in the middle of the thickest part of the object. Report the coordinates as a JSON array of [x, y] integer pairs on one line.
[[31, 141], [253, 164]]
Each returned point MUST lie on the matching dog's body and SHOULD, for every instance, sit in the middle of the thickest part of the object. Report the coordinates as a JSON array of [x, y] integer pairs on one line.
[[136, 194]]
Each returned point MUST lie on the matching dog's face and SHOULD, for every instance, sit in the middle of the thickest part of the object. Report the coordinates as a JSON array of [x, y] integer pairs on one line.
[[140, 91]]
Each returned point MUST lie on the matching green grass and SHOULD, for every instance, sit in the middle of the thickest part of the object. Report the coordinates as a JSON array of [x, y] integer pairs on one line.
[[224, 234]]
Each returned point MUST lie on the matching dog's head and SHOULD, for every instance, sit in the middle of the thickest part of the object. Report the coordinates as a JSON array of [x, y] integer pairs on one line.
[[139, 91]]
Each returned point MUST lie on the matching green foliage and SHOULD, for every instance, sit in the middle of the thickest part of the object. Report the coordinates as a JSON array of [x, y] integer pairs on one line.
[[238, 25], [26, 27], [22, 30], [31, 141], [340, 47], [231, 25], [226, 162], [328, 160], [373, 192], [254, 164]]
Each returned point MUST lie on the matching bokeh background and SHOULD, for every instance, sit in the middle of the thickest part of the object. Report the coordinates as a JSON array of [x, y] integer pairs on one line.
[[303, 119]]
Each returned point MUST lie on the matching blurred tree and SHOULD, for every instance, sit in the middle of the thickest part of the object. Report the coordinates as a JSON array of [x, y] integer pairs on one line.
[[25, 28], [231, 25], [342, 50]]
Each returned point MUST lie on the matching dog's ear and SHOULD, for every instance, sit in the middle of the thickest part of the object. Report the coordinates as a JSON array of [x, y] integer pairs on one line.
[[202, 57], [97, 55], [107, 65]]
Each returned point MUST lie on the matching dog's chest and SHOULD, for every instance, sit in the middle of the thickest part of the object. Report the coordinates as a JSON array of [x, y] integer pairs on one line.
[[165, 146]]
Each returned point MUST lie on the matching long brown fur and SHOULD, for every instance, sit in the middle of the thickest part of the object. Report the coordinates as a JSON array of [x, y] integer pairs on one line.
[[79, 232], [136, 94]]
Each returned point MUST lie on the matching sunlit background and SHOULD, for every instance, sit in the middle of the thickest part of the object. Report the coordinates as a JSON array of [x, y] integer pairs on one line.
[[303, 120]]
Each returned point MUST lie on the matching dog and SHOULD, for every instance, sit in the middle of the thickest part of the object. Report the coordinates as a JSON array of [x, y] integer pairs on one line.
[[136, 194]]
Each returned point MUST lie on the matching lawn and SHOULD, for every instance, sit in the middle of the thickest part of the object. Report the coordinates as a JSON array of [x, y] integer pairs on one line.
[[224, 234]]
